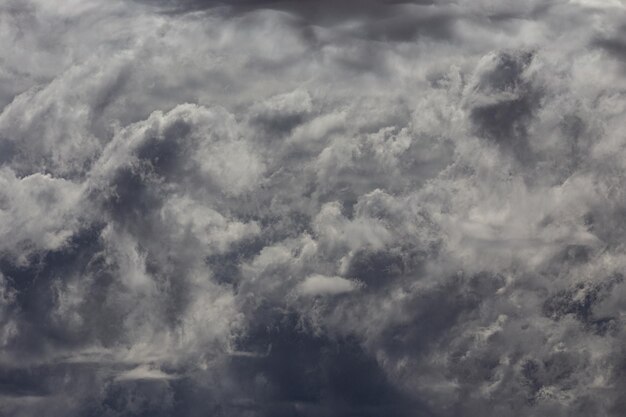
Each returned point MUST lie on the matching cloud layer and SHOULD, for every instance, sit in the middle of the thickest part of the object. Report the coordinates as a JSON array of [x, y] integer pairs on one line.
[[299, 208]]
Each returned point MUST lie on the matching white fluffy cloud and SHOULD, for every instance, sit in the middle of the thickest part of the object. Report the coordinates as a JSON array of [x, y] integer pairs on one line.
[[323, 285]]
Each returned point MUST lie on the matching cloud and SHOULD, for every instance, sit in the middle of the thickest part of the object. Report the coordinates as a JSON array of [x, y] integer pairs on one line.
[[267, 208], [323, 285], [38, 213], [143, 372]]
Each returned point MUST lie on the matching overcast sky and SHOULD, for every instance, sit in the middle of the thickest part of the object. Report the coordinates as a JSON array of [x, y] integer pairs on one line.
[[256, 208]]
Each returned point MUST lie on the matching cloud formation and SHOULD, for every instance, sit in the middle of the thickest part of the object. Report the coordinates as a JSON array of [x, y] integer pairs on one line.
[[303, 208]]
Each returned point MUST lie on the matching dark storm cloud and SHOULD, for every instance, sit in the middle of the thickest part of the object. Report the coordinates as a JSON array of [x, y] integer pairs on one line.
[[580, 302], [312, 375], [371, 19], [504, 101], [308, 9], [312, 208], [613, 45]]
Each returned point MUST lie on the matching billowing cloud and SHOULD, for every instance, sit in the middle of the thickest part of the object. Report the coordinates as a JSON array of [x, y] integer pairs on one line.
[[312, 208]]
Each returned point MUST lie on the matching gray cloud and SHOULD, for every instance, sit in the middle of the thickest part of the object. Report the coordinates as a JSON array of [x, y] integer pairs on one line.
[[267, 208]]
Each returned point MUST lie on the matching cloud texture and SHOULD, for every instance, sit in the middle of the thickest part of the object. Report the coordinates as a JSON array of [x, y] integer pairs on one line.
[[312, 208]]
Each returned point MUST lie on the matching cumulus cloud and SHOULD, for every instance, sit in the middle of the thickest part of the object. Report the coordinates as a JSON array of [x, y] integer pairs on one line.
[[268, 208]]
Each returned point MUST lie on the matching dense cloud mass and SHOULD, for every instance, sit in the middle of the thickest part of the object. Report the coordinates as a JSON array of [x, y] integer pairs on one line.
[[312, 208]]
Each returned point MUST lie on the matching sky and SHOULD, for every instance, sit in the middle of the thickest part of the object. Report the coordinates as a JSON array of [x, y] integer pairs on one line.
[[256, 208]]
